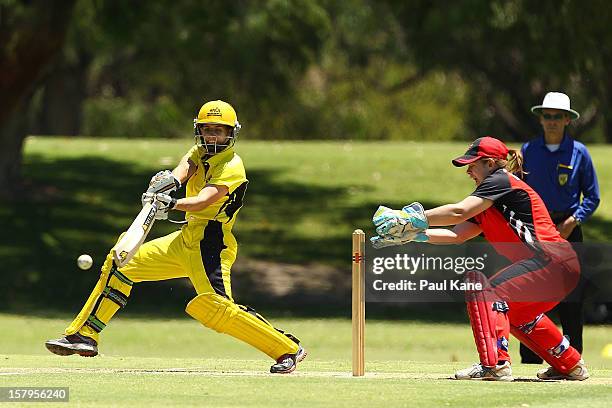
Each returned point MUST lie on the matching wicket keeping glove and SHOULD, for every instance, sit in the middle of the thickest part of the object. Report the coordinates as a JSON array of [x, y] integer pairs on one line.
[[382, 242], [400, 223]]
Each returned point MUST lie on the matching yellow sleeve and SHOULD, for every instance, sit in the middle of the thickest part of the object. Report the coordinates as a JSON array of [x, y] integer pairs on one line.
[[231, 174], [195, 154]]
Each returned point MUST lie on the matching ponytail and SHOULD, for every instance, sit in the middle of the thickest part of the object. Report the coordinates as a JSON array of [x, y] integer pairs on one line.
[[514, 164]]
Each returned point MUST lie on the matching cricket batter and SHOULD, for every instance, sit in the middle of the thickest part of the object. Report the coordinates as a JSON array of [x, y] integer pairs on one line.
[[203, 250], [513, 218]]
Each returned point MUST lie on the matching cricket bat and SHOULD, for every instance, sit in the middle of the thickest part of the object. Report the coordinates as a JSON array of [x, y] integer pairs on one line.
[[127, 246]]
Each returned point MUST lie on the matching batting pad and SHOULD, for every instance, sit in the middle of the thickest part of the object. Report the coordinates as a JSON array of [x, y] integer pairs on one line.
[[482, 319], [546, 341], [224, 316], [109, 294]]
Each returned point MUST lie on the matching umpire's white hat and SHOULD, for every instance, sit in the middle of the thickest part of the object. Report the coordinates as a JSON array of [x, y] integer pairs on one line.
[[556, 100]]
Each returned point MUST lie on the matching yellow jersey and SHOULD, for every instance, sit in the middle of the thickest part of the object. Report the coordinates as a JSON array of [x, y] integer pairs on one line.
[[226, 169]]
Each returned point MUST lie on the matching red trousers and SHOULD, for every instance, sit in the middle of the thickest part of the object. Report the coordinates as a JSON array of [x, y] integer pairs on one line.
[[515, 300]]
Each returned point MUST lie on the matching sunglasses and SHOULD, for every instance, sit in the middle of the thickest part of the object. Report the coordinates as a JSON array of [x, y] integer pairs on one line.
[[556, 116]]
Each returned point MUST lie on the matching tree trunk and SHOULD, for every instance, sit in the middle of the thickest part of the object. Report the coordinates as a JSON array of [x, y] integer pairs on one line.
[[61, 111], [607, 111], [12, 135], [31, 33]]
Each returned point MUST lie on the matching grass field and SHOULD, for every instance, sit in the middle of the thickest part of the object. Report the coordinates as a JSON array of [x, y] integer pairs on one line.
[[153, 362], [303, 202]]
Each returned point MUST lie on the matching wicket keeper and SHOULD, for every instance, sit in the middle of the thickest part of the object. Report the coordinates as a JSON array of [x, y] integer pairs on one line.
[[203, 250], [544, 269]]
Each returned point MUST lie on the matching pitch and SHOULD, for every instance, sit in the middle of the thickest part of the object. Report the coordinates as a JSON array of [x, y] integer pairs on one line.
[[174, 362]]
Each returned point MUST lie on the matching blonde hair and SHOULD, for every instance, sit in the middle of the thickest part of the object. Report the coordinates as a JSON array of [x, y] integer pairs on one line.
[[514, 164]]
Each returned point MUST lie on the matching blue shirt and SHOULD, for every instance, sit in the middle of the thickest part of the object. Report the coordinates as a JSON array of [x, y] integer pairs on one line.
[[560, 177]]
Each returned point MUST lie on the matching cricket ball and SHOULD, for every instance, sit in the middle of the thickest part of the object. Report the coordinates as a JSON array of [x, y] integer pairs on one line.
[[84, 261]]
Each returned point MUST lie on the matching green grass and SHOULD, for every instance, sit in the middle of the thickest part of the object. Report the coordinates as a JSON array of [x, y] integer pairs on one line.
[[303, 202], [177, 362]]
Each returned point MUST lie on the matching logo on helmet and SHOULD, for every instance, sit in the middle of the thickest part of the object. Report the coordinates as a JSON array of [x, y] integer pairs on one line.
[[214, 112]]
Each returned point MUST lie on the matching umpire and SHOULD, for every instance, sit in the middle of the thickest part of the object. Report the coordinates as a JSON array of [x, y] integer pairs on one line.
[[560, 170]]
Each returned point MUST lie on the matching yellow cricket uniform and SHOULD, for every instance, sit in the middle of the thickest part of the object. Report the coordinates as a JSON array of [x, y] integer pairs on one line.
[[205, 248]]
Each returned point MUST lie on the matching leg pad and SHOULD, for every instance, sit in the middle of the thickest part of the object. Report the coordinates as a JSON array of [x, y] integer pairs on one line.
[[483, 320], [224, 316], [545, 339], [110, 293]]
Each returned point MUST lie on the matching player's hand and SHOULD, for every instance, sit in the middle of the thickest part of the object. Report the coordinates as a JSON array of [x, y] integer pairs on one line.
[[165, 203], [147, 198], [400, 223], [566, 227], [164, 182], [382, 242]]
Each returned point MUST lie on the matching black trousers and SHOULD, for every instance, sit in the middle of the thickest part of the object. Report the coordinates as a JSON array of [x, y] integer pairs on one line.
[[569, 310]]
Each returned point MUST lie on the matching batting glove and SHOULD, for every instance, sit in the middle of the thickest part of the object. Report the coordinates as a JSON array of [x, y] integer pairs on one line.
[[163, 182], [147, 198], [165, 204]]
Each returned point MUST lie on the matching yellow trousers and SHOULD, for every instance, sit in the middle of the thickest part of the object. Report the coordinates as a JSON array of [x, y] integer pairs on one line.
[[202, 252]]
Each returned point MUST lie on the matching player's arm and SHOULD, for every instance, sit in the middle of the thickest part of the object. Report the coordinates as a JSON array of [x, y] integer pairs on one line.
[[454, 214], [210, 194], [458, 235], [185, 169], [167, 181]]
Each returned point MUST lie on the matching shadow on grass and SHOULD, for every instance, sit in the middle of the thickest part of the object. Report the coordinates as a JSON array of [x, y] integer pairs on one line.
[[96, 199]]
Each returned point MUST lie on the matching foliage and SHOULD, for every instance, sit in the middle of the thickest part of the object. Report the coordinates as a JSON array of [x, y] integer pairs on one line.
[[109, 116], [512, 52], [177, 54], [357, 69]]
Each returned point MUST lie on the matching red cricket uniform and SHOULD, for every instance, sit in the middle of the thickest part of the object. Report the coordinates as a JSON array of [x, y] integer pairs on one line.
[[545, 269]]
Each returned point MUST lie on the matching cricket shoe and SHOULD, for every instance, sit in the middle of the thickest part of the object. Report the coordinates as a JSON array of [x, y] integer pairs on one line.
[[73, 344], [578, 373], [288, 362], [501, 372]]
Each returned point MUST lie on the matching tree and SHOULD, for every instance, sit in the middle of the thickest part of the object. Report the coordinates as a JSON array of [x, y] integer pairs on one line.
[[161, 61], [512, 52], [32, 34], [171, 53]]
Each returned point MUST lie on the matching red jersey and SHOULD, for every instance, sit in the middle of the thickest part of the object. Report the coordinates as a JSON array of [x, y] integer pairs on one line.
[[518, 215]]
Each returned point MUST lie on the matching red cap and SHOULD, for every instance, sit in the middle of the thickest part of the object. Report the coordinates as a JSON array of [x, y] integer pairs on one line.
[[483, 147]]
